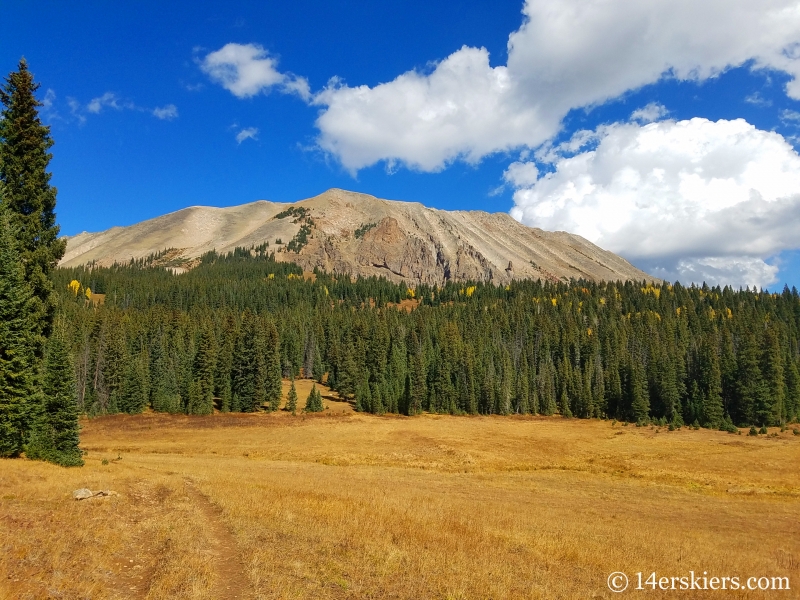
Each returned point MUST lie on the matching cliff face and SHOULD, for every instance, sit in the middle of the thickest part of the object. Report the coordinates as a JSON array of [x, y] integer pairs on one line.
[[346, 232]]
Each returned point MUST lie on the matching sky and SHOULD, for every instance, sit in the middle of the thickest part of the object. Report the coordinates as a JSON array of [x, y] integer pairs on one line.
[[666, 131]]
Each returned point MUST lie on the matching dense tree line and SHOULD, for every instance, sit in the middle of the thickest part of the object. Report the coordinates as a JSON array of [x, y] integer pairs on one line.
[[224, 334], [38, 412]]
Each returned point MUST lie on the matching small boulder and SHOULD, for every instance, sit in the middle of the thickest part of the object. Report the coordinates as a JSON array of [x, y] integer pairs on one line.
[[82, 494]]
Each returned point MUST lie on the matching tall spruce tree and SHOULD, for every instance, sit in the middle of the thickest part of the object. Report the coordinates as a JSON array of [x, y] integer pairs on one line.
[[201, 402], [28, 196], [18, 331], [291, 399], [712, 384], [272, 367], [133, 392], [314, 400], [54, 434], [771, 409]]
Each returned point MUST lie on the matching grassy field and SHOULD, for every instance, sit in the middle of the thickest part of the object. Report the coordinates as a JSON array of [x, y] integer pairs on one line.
[[341, 505]]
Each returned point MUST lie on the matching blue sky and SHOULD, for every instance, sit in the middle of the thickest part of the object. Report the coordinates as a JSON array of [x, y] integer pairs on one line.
[[146, 101]]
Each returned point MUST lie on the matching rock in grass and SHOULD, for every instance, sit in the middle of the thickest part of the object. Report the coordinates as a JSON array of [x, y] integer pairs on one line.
[[87, 494]]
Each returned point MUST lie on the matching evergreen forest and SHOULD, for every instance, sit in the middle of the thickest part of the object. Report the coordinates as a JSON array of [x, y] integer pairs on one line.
[[38, 412], [224, 334]]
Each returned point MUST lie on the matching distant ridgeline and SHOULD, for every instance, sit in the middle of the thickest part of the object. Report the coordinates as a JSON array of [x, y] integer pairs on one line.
[[223, 335]]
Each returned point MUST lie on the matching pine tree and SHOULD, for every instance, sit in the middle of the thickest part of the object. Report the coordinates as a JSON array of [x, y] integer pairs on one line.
[[291, 399], [249, 375], [772, 407], [363, 398], [224, 365], [273, 381], [203, 374], [19, 392], [132, 395], [792, 390], [418, 378], [712, 384], [751, 389], [164, 396], [314, 400], [54, 436], [28, 196], [637, 390]]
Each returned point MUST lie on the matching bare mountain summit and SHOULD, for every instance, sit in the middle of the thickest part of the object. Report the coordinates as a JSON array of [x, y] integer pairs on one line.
[[347, 232]]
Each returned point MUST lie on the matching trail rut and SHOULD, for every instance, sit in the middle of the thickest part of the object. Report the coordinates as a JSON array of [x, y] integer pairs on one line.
[[231, 582]]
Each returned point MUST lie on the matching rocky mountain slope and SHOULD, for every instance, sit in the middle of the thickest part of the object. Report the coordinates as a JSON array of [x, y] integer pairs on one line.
[[347, 232]]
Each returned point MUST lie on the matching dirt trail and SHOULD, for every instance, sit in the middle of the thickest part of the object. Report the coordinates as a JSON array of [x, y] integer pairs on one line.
[[231, 581]]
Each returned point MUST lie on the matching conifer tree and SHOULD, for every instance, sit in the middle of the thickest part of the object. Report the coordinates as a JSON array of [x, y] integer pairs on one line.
[[314, 400], [417, 381], [712, 384], [164, 395], [113, 364], [291, 399], [751, 389], [54, 435], [132, 393], [792, 390], [771, 408], [273, 381], [28, 196], [639, 398], [224, 365], [564, 405], [363, 398], [202, 403], [19, 392], [249, 376]]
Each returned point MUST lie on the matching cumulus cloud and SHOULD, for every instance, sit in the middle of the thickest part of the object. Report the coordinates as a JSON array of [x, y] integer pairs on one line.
[[246, 70], [166, 113], [245, 134], [568, 54], [463, 108], [690, 200]]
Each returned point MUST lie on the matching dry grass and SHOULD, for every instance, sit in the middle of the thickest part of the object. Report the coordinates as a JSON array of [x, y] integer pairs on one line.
[[340, 505]]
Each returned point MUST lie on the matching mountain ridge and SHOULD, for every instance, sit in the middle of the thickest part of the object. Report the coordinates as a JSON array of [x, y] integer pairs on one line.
[[359, 234]]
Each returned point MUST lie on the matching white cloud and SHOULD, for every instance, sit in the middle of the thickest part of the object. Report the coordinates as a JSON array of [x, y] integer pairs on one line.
[[166, 113], [757, 99], [248, 133], [652, 112], [49, 109], [246, 70], [738, 271], [108, 100], [111, 100], [686, 200], [567, 54], [790, 116], [76, 110], [49, 99]]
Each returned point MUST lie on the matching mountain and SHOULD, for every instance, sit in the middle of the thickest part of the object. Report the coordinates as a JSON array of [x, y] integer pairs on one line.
[[346, 232]]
